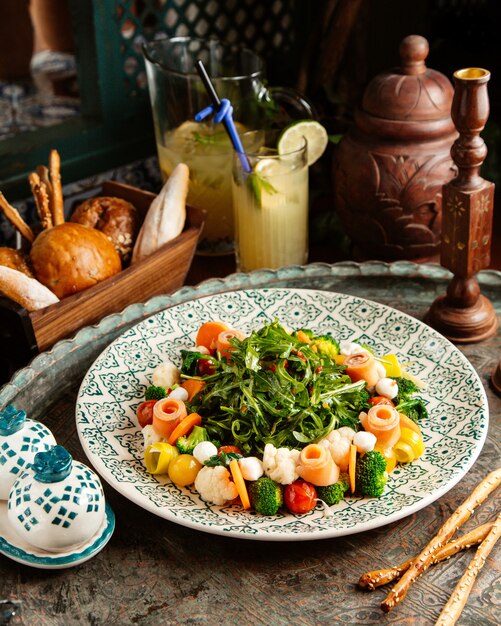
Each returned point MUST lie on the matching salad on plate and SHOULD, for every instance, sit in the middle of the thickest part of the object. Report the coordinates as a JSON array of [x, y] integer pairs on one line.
[[280, 419]]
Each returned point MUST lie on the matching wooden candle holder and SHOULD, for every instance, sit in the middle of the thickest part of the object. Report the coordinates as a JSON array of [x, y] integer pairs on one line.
[[464, 315]]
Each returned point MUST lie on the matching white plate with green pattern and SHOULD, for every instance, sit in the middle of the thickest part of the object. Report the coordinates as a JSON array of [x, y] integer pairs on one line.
[[115, 384]]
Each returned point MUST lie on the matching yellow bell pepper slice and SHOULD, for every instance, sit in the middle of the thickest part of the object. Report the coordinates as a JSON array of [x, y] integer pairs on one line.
[[158, 456], [391, 365]]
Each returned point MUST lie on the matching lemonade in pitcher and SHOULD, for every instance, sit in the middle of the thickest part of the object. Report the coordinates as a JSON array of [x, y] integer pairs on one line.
[[207, 151]]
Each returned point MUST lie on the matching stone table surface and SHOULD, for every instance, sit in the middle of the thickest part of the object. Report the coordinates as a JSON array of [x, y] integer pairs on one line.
[[156, 572]]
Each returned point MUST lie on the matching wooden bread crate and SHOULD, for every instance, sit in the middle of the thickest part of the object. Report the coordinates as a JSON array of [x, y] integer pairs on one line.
[[162, 272]]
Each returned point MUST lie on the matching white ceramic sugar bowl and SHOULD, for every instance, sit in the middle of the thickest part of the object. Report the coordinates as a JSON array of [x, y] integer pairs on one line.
[[20, 440], [58, 503]]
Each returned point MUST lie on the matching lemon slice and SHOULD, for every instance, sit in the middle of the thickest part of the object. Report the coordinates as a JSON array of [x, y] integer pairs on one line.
[[269, 167], [315, 134]]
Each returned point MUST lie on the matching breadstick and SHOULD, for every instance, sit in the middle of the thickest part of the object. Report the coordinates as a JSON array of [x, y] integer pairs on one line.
[[378, 578], [39, 191], [15, 219], [43, 173], [56, 203], [424, 559], [452, 610]]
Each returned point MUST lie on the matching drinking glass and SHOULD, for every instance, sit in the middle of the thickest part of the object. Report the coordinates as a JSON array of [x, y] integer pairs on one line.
[[271, 209], [177, 94]]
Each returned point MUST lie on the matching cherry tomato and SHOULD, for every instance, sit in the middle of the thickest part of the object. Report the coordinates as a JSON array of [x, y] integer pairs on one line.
[[228, 449], [380, 400], [300, 497], [144, 412], [206, 367], [184, 469]]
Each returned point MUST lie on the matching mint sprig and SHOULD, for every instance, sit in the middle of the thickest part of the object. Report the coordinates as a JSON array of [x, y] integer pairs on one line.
[[256, 185]]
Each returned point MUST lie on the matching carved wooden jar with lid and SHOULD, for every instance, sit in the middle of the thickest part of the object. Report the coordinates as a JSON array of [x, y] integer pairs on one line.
[[390, 167]]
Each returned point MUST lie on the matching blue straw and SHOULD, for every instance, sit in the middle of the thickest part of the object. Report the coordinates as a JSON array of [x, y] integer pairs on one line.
[[223, 110]]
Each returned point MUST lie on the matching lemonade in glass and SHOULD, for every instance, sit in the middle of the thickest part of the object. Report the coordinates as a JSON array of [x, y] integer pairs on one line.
[[271, 209]]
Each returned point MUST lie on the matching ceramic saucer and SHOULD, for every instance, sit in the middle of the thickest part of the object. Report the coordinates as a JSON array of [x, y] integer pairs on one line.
[[14, 547]]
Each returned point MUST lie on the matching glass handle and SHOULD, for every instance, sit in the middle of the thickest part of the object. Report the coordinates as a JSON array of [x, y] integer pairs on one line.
[[292, 103]]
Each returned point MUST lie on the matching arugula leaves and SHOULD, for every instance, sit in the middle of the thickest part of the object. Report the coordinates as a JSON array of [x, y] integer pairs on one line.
[[278, 390]]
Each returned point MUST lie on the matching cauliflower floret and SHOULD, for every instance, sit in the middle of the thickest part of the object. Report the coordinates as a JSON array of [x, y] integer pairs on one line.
[[214, 485], [150, 436], [280, 464], [338, 443], [166, 375]]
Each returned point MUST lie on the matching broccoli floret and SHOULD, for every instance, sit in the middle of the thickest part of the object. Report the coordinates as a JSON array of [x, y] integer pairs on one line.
[[325, 344], [265, 496], [370, 474], [154, 392], [333, 494], [186, 445], [415, 409], [406, 388]]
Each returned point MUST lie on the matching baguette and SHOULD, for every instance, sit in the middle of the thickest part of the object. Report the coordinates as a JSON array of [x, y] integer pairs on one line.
[[166, 215], [27, 292]]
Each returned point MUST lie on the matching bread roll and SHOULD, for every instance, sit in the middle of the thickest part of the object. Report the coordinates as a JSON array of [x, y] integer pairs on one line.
[[27, 292], [166, 216], [71, 257], [116, 218], [16, 260]]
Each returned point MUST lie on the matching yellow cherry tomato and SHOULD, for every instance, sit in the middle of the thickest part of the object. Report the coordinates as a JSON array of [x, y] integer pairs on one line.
[[158, 457], [184, 469]]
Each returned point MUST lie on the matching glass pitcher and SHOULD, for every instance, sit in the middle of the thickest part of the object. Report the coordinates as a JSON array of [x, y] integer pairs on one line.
[[177, 94]]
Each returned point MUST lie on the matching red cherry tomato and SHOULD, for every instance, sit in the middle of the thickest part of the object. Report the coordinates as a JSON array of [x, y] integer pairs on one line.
[[380, 400], [300, 497], [228, 449], [144, 412], [206, 367]]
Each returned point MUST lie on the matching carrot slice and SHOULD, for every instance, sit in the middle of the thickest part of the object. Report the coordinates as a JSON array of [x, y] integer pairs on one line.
[[208, 332], [193, 386], [184, 427], [239, 483], [351, 466]]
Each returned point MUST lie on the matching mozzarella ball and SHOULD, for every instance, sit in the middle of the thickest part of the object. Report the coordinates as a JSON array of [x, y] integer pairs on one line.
[[179, 393], [251, 468], [204, 450], [381, 370], [364, 441], [202, 350], [387, 387]]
